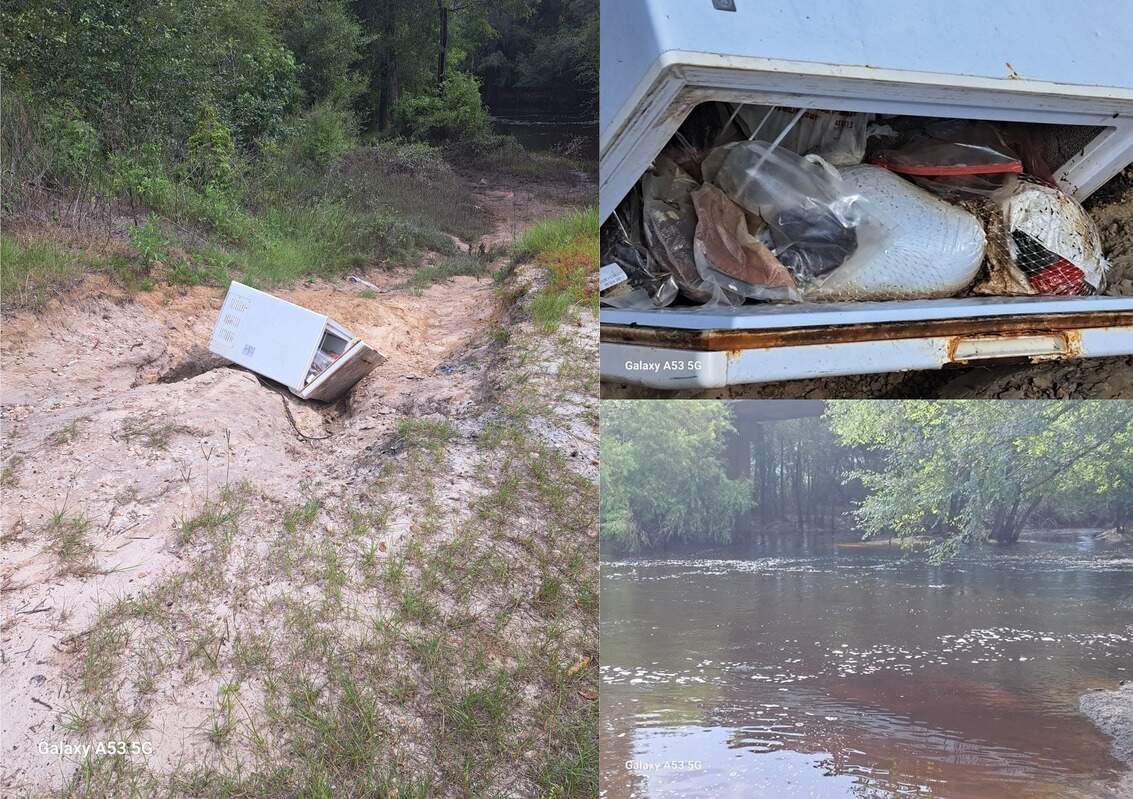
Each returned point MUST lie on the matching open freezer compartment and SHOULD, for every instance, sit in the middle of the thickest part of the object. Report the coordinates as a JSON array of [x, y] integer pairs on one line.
[[313, 355], [690, 334]]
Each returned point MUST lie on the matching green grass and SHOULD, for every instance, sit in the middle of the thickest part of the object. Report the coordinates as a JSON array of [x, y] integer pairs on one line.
[[381, 205], [462, 264], [32, 273], [67, 539], [430, 434], [568, 247], [150, 430], [561, 234]]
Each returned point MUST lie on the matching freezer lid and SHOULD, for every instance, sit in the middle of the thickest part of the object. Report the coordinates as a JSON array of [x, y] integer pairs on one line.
[[964, 59], [356, 362], [270, 336], [833, 314]]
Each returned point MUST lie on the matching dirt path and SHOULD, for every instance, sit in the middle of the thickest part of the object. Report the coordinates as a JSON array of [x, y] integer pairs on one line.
[[124, 437]]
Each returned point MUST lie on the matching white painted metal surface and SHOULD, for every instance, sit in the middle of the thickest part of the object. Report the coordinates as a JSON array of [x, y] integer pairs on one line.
[[278, 339], [1037, 61], [1023, 60], [775, 317], [672, 369], [270, 336]]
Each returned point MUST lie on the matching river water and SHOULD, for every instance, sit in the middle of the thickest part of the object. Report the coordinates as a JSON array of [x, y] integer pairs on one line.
[[806, 669]]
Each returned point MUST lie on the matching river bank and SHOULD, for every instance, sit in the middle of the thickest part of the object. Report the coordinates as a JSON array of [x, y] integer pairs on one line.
[[1112, 712]]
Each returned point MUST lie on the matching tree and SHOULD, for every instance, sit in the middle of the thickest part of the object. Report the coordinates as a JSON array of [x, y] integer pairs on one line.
[[663, 475], [475, 23], [969, 471]]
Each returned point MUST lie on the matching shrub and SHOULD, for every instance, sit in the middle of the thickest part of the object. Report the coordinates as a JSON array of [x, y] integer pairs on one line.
[[325, 135], [212, 153], [72, 143], [455, 112]]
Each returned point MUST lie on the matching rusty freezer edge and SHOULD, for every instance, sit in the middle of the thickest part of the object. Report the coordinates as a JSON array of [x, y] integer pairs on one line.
[[674, 358]]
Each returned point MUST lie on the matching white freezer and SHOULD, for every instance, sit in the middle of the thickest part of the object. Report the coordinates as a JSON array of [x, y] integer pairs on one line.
[[280, 340], [1033, 61]]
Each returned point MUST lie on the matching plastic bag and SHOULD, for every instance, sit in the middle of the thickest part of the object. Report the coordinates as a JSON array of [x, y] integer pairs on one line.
[[911, 244], [811, 215], [838, 137], [670, 223], [646, 286], [728, 255], [1053, 241], [954, 159]]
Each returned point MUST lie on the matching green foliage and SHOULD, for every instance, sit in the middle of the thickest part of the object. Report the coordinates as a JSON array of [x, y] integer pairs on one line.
[[327, 41], [455, 112], [323, 136], [72, 143], [555, 48], [212, 153], [143, 71], [662, 475], [150, 241], [969, 471]]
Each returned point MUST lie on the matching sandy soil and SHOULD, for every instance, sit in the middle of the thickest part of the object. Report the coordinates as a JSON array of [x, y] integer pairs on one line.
[[1112, 712], [117, 420]]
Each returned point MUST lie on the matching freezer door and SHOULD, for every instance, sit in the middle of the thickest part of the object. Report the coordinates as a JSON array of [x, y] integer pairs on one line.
[[358, 361], [270, 336]]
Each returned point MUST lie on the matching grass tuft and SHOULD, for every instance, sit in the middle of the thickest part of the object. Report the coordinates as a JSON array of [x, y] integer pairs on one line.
[[31, 273]]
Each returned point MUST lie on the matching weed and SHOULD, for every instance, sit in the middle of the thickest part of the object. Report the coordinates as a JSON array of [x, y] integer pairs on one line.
[[151, 430], [430, 434], [31, 273], [65, 434], [10, 474], [67, 540], [463, 264], [302, 517]]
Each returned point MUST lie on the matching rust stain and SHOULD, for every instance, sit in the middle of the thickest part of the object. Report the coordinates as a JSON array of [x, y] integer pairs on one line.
[[734, 341]]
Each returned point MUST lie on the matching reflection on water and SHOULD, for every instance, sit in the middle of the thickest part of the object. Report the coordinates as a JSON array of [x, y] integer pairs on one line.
[[809, 670], [542, 132]]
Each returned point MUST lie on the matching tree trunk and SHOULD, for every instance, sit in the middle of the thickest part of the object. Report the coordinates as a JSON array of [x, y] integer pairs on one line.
[[442, 56], [389, 92]]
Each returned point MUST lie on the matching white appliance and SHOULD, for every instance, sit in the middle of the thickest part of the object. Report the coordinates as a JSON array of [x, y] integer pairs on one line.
[[311, 354], [1062, 67]]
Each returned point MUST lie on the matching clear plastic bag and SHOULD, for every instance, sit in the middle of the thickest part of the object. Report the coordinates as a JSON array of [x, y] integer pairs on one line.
[[670, 223], [954, 159], [811, 215], [838, 137], [729, 256]]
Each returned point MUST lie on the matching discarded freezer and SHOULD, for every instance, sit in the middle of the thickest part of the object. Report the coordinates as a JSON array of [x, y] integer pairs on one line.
[[1045, 69], [311, 354]]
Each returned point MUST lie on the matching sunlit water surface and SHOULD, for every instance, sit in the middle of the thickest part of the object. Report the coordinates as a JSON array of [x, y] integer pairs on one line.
[[825, 672]]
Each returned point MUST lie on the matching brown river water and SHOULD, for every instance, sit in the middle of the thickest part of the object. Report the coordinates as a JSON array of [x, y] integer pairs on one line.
[[809, 670]]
